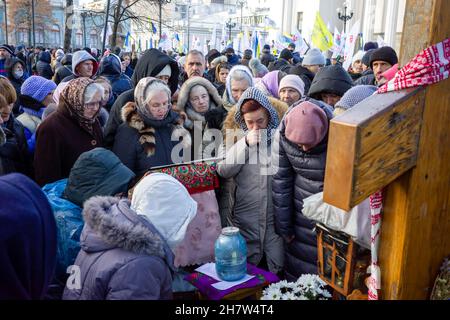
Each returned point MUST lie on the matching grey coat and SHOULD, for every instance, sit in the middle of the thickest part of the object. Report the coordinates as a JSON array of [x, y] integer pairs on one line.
[[122, 256]]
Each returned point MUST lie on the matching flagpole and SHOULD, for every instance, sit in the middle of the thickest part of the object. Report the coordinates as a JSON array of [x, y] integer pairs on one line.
[[106, 25]]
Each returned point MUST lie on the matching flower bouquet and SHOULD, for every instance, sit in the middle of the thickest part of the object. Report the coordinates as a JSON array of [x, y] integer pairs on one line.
[[307, 287]]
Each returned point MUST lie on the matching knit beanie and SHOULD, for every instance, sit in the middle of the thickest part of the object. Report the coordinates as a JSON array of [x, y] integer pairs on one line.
[[354, 96], [37, 87], [212, 54], [286, 54], [306, 125], [314, 57], [166, 71], [358, 56], [386, 54], [370, 46], [266, 48], [8, 48], [258, 69], [366, 59], [292, 81]]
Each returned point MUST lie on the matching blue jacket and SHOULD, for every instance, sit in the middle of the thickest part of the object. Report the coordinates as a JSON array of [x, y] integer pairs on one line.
[[27, 239], [96, 172], [111, 69]]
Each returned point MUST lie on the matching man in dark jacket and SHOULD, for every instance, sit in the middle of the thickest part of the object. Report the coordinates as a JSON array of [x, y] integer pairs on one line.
[[27, 239], [284, 62], [150, 64], [266, 56], [330, 84], [382, 60], [65, 70], [43, 67], [299, 158], [295, 54], [111, 69]]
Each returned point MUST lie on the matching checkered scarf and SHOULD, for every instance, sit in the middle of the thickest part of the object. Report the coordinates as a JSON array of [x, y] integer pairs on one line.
[[430, 66]]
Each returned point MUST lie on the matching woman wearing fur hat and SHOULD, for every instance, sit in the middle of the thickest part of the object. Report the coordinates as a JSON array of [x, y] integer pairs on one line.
[[299, 157], [144, 139], [201, 107], [252, 209], [68, 132], [127, 247]]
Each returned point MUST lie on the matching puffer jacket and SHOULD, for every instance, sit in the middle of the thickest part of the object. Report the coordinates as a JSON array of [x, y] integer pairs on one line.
[[43, 66], [252, 208], [111, 69], [122, 256], [330, 79], [298, 175], [367, 79]]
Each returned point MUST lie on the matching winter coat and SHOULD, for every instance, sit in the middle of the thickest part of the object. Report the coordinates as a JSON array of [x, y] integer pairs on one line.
[[43, 65], [367, 78], [65, 70], [304, 74], [17, 83], [331, 79], [280, 64], [233, 60], [14, 156], [213, 119], [77, 58], [149, 65], [296, 57], [267, 58], [95, 173], [111, 69], [60, 140], [129, 72], [143, 143], [252, 208], [27, 240], [298, 175], [122, 256]]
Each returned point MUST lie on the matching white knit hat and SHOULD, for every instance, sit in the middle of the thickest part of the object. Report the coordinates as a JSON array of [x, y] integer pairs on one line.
[[292, 81]]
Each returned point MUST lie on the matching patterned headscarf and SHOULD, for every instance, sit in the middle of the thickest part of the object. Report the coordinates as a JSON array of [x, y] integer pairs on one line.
[[72, 97], [140, 96]]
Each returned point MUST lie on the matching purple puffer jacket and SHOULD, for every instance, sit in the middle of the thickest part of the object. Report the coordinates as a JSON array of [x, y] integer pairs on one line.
[[122, 256]]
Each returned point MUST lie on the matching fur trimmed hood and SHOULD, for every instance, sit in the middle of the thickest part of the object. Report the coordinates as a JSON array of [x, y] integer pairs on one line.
[[183, 96], [146, 128], [111, 223]]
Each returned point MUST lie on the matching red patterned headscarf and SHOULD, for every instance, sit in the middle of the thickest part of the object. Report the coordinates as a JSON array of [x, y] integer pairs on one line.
[[73, 100], [430, 66]]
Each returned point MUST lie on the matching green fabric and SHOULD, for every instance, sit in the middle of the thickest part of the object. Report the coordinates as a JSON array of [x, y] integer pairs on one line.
[[98, 172]]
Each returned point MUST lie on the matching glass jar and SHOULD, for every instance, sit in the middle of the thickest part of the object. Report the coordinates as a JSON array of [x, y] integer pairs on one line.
[[230, 251]]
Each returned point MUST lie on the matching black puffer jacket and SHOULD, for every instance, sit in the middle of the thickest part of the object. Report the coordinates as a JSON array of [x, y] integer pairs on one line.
[[43, 66], [299, 175], [304, 74], [330, 79], [149, 65], [14, 155]]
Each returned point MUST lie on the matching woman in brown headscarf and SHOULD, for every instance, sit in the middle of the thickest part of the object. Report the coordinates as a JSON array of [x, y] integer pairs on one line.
[[68, 132]]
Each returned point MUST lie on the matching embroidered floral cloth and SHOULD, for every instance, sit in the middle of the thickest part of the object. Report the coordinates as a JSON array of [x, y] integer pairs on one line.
[[196, 177], [204, 283], [430, 66]]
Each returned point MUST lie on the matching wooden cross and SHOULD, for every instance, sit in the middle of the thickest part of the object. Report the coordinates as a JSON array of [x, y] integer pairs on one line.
[[401, 142]]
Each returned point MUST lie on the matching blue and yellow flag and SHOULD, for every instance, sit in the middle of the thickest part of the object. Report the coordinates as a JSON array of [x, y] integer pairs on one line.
[[321, 36]]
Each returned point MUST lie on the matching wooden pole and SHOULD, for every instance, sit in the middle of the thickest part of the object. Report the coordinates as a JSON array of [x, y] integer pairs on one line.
[[415, 236]]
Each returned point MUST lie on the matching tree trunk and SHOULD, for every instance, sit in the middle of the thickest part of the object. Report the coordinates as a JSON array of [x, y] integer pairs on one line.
[[68, 25], [117, 13]]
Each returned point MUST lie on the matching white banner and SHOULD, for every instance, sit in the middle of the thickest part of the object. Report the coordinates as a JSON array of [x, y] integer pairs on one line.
[[350, 44]]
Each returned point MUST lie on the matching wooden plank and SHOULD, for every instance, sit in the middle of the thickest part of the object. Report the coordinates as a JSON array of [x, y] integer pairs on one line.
[[371, 145], [416, 219]]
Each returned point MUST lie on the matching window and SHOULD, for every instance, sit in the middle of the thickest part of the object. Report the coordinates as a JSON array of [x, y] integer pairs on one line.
[[55, 37], [93, 39], [40, 36], [299, 21], [79, 38]]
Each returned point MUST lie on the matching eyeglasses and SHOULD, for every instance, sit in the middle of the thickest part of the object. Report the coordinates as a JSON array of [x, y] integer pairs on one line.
[[92, 105]]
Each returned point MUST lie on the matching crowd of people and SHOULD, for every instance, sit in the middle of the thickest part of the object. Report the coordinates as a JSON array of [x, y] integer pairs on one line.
[[79, 131]]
